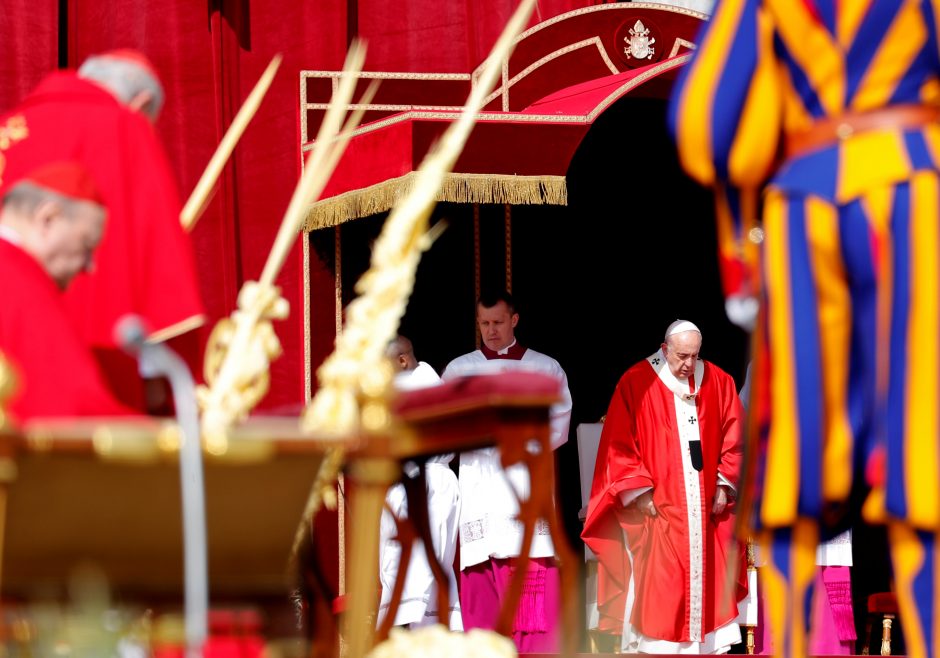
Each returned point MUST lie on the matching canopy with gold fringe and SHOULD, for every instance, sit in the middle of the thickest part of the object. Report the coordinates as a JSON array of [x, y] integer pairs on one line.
[[564, 74]]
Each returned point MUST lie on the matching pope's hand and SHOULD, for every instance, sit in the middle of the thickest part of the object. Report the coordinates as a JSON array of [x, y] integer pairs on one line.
[[721, 500], [644, 503]]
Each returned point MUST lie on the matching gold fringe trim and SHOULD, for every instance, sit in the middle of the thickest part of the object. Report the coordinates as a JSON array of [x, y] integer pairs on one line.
[[457, 188]]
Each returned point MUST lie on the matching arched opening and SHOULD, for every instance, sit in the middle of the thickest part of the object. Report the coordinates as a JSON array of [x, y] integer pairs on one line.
[[597, 281]]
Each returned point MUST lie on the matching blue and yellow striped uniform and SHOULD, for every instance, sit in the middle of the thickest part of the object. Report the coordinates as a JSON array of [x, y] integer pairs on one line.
[[849, 267]]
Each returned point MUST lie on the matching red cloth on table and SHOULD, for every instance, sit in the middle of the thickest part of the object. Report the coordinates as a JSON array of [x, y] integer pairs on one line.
[[144, 264], [639, 448], [57, 375]]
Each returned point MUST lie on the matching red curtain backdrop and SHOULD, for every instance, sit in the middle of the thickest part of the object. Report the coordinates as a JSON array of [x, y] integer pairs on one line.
[[210, 54], [29, 33], [418, 36]]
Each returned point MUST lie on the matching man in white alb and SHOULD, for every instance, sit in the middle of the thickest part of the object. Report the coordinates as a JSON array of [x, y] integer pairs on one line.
[[490, 534]]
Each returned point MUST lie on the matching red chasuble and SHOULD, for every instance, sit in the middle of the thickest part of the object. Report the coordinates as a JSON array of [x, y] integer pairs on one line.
[[144, 265], [681, 556], [57, 374]]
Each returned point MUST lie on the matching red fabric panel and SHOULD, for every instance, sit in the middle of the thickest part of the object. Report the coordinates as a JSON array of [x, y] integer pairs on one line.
[[584, 97], [267, 165], [322, 311], [417, 36], [29, 34], [585, 63], [526, 149], [375, 157]]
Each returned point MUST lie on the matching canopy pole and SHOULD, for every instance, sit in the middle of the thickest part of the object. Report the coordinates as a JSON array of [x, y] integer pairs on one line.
[[507, 221], [476, 260]]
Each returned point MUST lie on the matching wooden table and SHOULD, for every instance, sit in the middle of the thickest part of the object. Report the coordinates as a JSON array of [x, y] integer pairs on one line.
[[107, 490], [510, 411]]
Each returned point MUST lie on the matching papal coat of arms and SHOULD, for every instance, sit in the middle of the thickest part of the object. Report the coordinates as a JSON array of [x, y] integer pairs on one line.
[[639, 42]]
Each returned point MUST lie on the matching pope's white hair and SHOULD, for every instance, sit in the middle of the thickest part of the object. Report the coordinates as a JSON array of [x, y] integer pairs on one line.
[[680, 327]]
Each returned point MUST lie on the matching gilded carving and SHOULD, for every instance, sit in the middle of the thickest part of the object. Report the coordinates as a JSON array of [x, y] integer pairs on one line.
[[639, 42], [13, 131]]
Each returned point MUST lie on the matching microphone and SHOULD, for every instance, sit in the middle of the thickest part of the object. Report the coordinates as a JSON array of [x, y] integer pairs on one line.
[[155, 359]]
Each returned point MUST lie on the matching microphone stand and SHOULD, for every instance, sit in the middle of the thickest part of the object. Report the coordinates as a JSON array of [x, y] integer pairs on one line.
[[155, 360]]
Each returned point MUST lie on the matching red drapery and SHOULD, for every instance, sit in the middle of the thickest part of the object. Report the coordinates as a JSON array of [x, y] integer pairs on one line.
[[29, 33], [209, 55], [417, 36]]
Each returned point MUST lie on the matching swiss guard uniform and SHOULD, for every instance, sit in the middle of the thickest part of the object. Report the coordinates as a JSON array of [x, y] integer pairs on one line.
[[829, 109], [490, 534]]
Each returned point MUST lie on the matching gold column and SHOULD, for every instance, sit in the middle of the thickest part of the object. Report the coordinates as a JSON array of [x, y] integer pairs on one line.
[[340, 480], [371, 479], [886, 635], [8, 386]]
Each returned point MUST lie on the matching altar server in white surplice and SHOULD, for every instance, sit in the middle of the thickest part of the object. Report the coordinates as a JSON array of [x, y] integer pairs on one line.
[[419, 597], [490, 534]]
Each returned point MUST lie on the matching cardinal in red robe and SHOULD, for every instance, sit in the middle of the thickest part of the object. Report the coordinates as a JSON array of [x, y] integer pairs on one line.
[[660, 516], [100, 116], [50, 223]]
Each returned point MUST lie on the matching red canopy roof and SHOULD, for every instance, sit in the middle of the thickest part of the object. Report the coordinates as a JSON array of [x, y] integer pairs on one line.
[[511, 157], [562, 75]]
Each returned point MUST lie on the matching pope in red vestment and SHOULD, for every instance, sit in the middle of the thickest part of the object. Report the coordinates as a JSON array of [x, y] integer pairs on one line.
[[43, 244], [144, 264], [659, 519]]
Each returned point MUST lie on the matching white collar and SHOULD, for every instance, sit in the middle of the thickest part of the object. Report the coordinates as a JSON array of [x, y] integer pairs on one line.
[[505, 350], [679, 387], [10, 234]]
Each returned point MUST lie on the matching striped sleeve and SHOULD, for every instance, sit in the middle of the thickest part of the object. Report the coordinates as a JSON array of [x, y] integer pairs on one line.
[[725, 116]]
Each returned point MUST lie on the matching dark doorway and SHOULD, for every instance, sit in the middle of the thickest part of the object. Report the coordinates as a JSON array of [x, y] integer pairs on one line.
[[596, 281], [601, 278]]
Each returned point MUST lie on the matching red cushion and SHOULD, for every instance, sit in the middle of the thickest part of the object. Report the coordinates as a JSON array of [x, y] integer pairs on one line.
[[507, 387], [221, 621], [883, 603]]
